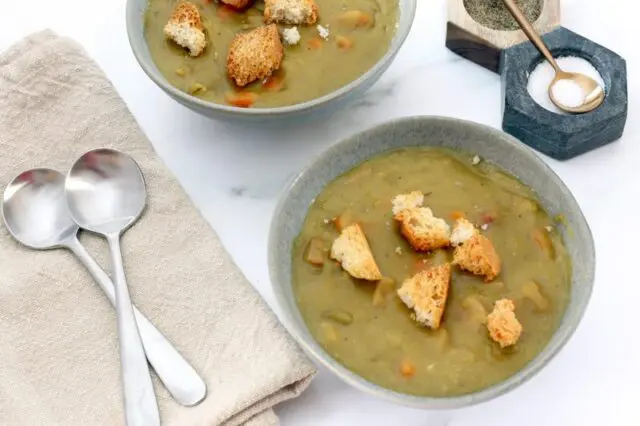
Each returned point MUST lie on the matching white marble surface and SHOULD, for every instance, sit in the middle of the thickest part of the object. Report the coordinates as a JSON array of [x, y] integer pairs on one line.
[[235, 175]]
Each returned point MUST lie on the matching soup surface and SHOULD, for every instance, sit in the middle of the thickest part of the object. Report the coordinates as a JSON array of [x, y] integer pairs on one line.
[[312, 68], [368, 329]]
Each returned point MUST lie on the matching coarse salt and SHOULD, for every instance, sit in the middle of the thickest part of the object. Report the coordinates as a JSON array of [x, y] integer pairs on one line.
[[568, 93], [543, 74]]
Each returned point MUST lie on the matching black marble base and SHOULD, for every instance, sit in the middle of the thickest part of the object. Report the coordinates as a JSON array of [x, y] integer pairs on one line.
[[563, 136]]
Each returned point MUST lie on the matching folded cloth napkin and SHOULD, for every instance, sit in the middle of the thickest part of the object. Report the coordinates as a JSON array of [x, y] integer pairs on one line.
[[59, 361]]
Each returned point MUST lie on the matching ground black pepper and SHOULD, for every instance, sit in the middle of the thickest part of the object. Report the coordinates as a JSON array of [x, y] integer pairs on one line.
[[494, 14]]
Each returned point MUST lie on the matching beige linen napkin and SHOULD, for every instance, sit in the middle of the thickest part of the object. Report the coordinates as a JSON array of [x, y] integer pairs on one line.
[[59, 363]]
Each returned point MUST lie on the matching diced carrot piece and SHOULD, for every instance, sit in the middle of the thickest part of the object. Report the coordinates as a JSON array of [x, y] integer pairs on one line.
[[315, 252], [241, 99], [315, 43], [457, 214], [488, 218], [225, 12], [355, 19], [407, 369], [421, 265], [275, 83], [542, 239], [344, 220], [343, 42]]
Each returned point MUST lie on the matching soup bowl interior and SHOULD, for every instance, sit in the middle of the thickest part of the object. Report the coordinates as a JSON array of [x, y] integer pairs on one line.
[[490, 144], [328, 103]]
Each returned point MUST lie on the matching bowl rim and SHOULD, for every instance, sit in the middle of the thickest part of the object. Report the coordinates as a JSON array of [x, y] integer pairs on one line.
[[147, 66], [564, 332]]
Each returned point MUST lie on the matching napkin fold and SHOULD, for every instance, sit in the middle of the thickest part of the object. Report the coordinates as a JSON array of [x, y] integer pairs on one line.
[[59, 362]]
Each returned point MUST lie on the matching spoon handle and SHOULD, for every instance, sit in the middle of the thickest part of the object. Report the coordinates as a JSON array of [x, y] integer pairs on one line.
[[141, 407], [533, 35], [177, 375]]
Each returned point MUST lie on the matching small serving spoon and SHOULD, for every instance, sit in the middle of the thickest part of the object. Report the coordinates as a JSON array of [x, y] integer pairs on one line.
[[106, 194], [35, 213], [593, 93]]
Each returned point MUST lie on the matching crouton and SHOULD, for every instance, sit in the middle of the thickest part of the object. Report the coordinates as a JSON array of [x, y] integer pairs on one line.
[[423, 230], [237, 4], [504, 328], [462, 231], [426, 293], [185, 28], [291, 12], [403, 202], [478, 256], [254, 55], [352, 250]]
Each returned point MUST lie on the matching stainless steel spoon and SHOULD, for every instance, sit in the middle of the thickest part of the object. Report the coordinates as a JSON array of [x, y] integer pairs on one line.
[[593, 94], [106, 194], [36, 215]]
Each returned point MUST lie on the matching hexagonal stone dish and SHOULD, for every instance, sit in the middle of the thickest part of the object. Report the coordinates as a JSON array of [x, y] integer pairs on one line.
[[483, 45], [563, 136]]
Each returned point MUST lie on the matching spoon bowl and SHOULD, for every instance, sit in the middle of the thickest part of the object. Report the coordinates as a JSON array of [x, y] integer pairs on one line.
[[592, 94], [106, 191], [34, 210]]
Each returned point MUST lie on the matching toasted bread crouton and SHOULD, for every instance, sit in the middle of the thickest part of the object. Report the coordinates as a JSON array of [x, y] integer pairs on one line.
[[423, 230], [403, 202], [352, 250], [462, 231], [185, 28], [478, 256], [426, 293], [504, 328], [254, 55], [238, 4], [291, 12]]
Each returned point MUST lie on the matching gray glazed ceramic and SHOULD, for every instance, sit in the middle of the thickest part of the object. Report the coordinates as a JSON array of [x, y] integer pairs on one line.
[[490, 144], [327, 103]]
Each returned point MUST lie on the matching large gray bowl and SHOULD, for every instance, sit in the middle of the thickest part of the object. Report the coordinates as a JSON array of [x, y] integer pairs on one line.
[[328, 103], [492, 145]]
